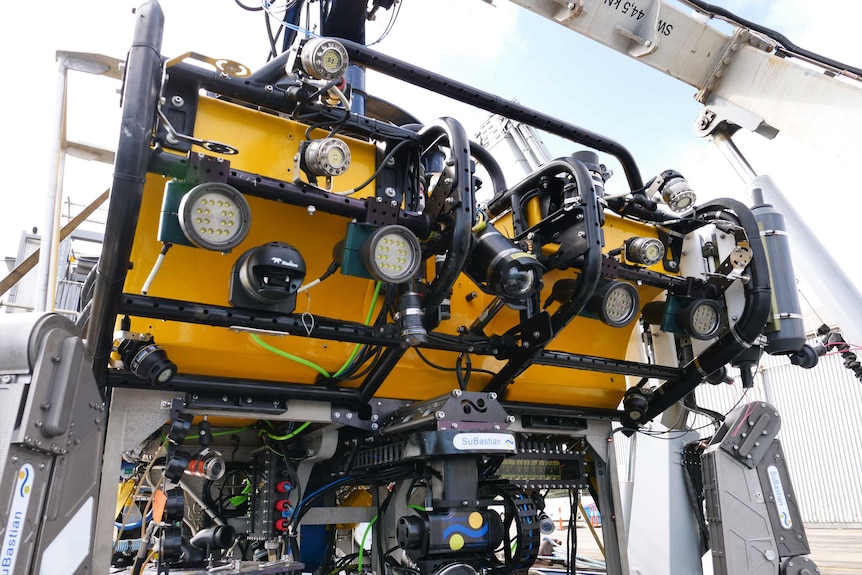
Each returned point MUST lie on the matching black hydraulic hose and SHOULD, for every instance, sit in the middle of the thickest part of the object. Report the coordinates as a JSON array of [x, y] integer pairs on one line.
[[489, 162], [586, 283], [406, 72], [463, 213], [140, 98], [484, 157], [713, 10], [744, 332]]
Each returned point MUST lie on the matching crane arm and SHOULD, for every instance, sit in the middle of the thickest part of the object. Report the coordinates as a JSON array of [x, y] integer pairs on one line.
[[752, 78]]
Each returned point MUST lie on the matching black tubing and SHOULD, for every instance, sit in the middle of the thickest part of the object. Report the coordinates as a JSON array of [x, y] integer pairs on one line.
[[741, 335], [140, 98], [401, 70]]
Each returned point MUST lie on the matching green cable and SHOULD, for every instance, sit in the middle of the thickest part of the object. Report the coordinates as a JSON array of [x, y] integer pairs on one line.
[[364, 536], [220, 433], [289, 435], [289, 356], [350, 359], [256, 338]]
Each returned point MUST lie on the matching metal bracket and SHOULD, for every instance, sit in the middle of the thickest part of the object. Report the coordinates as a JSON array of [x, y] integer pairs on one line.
[[235, 403], [644, 37]]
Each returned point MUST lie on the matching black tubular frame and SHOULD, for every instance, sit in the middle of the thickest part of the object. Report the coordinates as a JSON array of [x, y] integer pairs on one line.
[[140, 98], [136, 157], [273, 71]]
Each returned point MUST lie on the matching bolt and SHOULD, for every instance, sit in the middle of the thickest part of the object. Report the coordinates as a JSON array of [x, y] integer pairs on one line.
[[647, 43], [311, 210], [450, 162], [276, 404], [769, 554], [178, 101], [389, 192], [337, 415], [449, 201], [448, 181], [393, 203], [510, 419], [349, 415], [77, 441], [582, 234], [268, 88], [14, 459], [98, 420], [672, 265], [194, 398], [454, 426], [456, 393], [374, 426], [41, 466], [497, 426], [492, 396], [224, 398], [38, 423], [225, 76], [471, 349], [378, 199], [249, 400], [536, 334], [390, 161], [440, 414], [471, 296], [45, 405], [7, 379]]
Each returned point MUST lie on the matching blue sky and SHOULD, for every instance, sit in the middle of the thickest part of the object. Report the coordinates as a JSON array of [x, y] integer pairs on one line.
[[502, 49]]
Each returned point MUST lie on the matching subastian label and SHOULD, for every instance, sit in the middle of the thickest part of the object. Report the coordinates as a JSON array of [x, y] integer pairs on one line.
[[484, 441], [780, 500], [17, 516]]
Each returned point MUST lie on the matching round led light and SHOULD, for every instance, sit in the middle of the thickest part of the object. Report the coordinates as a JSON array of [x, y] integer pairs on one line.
[[392, 254], [324, 59], [645, 251], [615, 303], [701, 319], [678, 195], [215, 216], [327, 157]]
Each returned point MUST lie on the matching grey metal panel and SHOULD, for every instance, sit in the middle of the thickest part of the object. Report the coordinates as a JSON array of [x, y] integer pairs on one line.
[[820, 432], [820, 435]]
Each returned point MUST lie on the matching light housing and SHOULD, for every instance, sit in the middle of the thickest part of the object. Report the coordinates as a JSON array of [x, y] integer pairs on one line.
[[501, 268], [324, 58], [645, 251], [214, 216], [636, 403], [326, 157], [391, 254], [615, 303], [700, 318], [674, 190]]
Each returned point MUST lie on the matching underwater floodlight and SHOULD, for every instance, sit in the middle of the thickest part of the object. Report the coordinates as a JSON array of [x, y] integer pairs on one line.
[[215, 216], [327, 157], [674, 190], [391, 254], [701, 318], [324, 59], [615, 303], [645, 251]]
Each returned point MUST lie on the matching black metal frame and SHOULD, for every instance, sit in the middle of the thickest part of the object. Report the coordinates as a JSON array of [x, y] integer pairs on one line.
[[135, 158]]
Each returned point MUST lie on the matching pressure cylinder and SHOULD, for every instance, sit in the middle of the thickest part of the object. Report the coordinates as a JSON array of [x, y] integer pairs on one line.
[[785, 332]]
